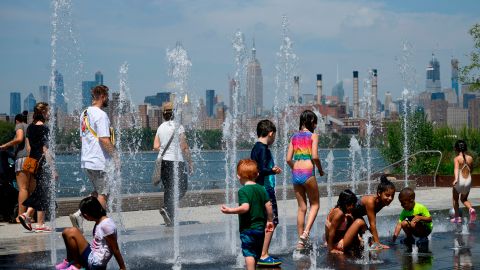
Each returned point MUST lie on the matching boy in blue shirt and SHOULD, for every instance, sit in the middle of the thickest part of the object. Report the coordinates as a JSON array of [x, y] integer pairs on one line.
[[254, 212], [266, 177]]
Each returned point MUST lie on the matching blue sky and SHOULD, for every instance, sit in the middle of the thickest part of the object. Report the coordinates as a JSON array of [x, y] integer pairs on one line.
[[356, 35]]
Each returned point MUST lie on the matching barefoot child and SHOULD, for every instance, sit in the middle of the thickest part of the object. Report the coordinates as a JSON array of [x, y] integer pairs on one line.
[[266, 177], [415, 219], [302, 157], [254, 212], [370, 205], [463, 164], [104, 244], [341, 231]]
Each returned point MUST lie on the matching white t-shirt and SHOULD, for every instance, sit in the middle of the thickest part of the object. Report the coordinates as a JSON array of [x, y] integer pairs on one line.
[[93, 156], [164, 132], [101, 253]]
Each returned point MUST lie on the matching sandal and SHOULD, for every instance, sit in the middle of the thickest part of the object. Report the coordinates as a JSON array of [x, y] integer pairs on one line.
[[300, 245], [304, 241]]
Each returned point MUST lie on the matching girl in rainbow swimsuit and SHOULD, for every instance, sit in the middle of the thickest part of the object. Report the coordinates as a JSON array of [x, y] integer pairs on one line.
[[301, 157]]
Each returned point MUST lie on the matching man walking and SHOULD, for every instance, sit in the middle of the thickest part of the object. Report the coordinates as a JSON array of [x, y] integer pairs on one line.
[[97, 148]]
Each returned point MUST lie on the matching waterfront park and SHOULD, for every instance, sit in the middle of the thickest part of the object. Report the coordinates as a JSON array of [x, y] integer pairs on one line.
[[406, 146]]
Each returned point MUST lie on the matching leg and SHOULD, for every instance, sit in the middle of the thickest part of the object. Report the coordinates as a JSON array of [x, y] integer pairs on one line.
[[40, 217], [269, 235], [75, 244], [23, 190], [311, 188], [302, 207], [250, 263], [168, 188], [407, 229], [464, 200], [351, 235], [455, 202], [182, 180]]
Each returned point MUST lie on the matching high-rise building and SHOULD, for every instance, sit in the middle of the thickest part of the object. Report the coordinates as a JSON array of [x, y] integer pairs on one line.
[[356, 107], [474, 113], [467, 98], [210, 100], [15, 103], [454, 63], [319, 89], [457, 118], [43, 93], [59, 92], [158, 99], [388, 101], [254, 86], [87, 87], [338, 91], [29, 103], [296, 90], [433, 76]]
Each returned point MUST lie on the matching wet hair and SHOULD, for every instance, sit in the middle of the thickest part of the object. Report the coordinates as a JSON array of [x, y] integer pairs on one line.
[[346, 197], [264, 127], [407, 192], [98, 91], [247, 169], [39, 110], [308, 119], [20, 118], [91, 206], [25, 116], [461, 146], [385, 185]]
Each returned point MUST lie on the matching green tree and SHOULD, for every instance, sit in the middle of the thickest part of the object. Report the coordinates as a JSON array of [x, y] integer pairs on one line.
[[471, 72], [7, 131]]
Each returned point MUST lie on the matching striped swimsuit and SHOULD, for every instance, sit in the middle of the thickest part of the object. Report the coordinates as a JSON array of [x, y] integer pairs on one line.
[[302, 150]]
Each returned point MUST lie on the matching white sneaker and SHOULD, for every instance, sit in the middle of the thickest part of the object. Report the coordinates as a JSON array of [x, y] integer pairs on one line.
[[42, 228], [77, 220]]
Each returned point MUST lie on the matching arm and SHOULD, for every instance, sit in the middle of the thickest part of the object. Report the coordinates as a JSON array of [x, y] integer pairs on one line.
[[455, 171], [315, 158], [290, 155], [263, 169], [113, 245], [334, 223], [186, 151], [50, 162], [107, 145], [372, 218], [396, 233], [421, 218], [27, 145], [156, 143], [242, 209], [18, 139]]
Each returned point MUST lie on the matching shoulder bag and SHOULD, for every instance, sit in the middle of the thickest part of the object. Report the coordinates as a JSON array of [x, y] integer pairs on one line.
[[157, 171]]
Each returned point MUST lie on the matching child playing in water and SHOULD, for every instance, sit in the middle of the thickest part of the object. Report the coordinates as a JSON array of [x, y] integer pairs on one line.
[[341, 231], [104, 244], [415, 219], [266, 177], [370, 205], [253, 203], [303, 148], [462, 182]]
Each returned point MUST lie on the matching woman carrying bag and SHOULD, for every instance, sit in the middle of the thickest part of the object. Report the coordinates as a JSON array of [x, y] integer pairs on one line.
[[173, 149]]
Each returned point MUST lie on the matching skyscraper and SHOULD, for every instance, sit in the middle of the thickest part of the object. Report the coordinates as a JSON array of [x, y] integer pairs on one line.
[[210, 100], [356, 108], [433, 76], [454, 64], [44, 93], [374, 91], [296, 90], [29, 103], [254, 86], [59, 92], [158, 99], [87, 87], [338, 91], [15, 103]]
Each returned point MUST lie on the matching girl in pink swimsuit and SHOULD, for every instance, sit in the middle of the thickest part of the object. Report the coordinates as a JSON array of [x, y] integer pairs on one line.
[[301, 157], [341, 231]]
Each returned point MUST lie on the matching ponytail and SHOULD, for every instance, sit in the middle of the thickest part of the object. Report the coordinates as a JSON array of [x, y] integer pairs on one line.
[[385, 184]]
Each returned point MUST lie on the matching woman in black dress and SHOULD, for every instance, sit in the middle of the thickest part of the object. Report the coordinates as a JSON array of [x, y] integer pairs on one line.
[[38, 135]]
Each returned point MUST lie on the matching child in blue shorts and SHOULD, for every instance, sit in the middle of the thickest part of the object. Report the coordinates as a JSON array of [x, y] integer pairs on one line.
[[266, 177], [254, 212]]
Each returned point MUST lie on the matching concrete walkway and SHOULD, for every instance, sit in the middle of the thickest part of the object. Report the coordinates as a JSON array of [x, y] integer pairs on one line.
[[139, 225]]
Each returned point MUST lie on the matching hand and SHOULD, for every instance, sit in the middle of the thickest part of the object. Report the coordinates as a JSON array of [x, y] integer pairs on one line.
[[394, 238], [276, 170], [225, 209], [55, 175], [336, 251], [454, 183], [321, 172], [190, 168], [416, 219], [270, 227]]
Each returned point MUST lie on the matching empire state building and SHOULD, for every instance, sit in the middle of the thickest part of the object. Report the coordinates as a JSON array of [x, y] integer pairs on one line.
[[254, 86]]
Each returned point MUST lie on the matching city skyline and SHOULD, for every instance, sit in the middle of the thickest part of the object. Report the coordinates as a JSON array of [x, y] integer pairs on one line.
[[321, 42]]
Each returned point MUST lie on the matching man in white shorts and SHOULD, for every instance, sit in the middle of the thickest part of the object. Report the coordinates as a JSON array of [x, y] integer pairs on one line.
[[97, 148]]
